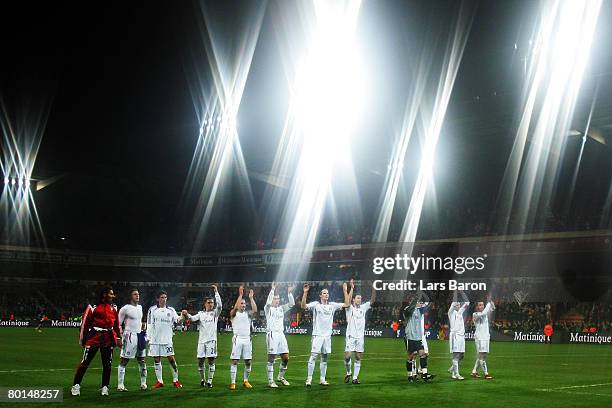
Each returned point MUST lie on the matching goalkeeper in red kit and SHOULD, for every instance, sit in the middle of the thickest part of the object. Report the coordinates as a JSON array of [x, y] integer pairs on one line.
[[99, 331]]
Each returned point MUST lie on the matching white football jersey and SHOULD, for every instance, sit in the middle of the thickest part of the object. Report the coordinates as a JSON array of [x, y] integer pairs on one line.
[[241, 324], [160, 322], [207, 321], [323, 317], [455, 318], [481, 321], [275, 316], [355, 320], [130, 317]]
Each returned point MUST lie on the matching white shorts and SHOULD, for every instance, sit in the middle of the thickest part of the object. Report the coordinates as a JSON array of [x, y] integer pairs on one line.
[[241, 348], [207, 349], [482, 346], [276, 343], [130, 346], [425, 347], [161, 350], [321, 344], [354, 344], [456, 343]]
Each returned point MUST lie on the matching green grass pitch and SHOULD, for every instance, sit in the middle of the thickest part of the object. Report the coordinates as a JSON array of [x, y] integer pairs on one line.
[[526, 375]]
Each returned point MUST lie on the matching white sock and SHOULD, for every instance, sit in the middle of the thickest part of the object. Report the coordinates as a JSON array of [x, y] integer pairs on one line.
[[174, 369], [323, 369], [357, 368], [233, 371], [311, 366], [120, 374], [455, 369], [270, 372], [414, 367], [283, 369], [347, 365], [211, 372], [201, 371], [247, 372], [143, 372], [483, 364], [158, 372], [476, 365]]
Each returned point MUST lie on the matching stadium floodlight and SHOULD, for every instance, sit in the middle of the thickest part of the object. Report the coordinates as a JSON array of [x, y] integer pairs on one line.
[[327, 95], [13, 182], [218, 152], [6, 180]]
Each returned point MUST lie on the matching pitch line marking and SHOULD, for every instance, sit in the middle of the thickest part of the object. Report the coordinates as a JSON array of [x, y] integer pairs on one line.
[[573, 386]]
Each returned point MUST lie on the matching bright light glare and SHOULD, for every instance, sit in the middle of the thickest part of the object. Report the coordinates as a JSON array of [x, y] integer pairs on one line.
[[327, 99]]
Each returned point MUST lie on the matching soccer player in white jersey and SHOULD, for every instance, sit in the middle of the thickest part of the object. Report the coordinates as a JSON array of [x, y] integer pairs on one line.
[[355, 333], [241, 342], [275, 333], [207, 338], [322, 325], [160, 323], [482, 337], [456, 337], [130, 319]]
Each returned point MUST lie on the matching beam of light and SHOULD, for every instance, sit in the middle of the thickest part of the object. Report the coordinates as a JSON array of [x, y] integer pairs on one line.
[[326, 98], [560, 52], [572, 188], [218, 153], [20, 144], [433, 124], [396, 165]]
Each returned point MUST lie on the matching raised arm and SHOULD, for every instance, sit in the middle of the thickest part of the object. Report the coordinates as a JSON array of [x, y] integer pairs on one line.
[[347, 295], [270, 296], [291, 303], [304, 296], [253, 304], [237, 304], [218, 304]]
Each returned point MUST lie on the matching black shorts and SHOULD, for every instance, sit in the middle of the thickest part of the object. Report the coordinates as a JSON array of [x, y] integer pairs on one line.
[[412, 346]]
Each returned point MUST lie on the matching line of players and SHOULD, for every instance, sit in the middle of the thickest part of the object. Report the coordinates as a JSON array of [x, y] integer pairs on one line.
[[101, 331]]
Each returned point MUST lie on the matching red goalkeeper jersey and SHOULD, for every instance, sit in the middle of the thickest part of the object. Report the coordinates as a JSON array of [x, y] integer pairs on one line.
[[100, 326]]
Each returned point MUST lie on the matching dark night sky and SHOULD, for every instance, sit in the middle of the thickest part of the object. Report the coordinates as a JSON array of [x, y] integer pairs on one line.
[[123, 127]]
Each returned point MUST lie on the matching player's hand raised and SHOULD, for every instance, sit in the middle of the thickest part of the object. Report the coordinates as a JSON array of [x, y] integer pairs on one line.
[[352, 283], [290, 288], [214, 288], [251, 294], [306, 287], [344, 286], [273, 285], [241, 290]]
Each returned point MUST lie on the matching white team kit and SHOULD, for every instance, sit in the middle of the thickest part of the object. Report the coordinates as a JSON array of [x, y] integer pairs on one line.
[[207, 337], [241, 342], [130, 317], [355, 329], [322, 325], [456, 336], [481, 334], [276, 341], [160, 324]]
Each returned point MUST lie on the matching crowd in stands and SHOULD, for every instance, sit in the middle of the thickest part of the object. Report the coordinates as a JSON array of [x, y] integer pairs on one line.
[[67, 301]]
